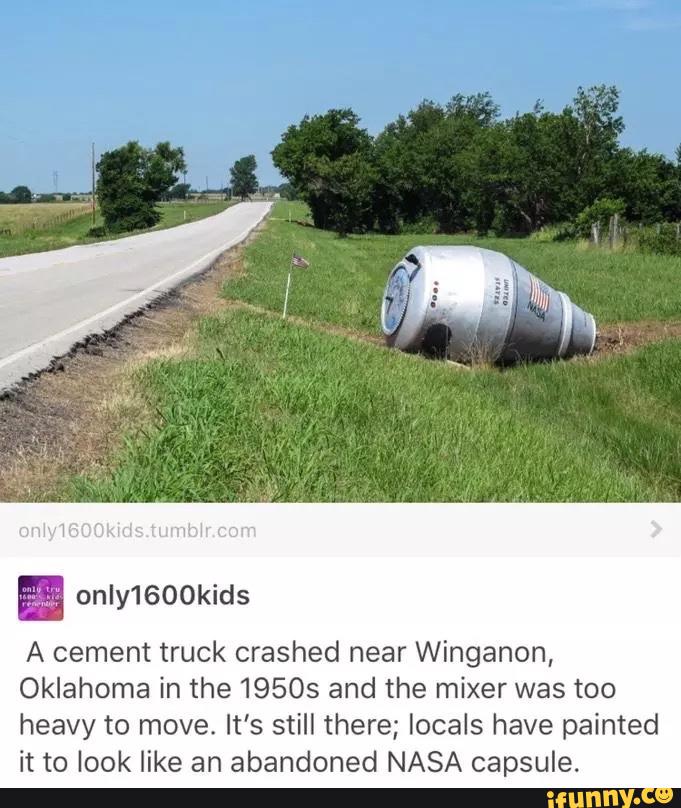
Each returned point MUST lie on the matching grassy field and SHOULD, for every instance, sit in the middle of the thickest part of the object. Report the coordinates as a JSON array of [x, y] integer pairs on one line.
[[265, 410], [20, 216], [347, 279], [75, 231]]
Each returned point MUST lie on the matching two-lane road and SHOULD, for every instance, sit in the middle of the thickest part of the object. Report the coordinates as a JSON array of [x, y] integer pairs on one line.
[[50, 301]]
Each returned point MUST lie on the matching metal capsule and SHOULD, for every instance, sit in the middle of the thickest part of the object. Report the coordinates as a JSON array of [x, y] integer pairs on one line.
[[467, 303]]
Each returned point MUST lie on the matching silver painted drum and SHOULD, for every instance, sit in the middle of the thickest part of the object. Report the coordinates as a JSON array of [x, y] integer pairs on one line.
[[467, 303]]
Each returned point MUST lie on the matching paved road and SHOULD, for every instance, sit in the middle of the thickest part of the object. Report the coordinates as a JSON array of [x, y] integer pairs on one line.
[[49, 301]]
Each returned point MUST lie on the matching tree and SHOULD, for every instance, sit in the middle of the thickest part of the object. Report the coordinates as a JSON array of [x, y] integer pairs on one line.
[[404, 154], [481, 107], [426, 164], [21, 194], [244, 181], [349, 184], [306, 157], [287, 191], [179, 191], [595, 138], [524, 173], [132, 180], [596, 110], [457, 166], [650, 185]]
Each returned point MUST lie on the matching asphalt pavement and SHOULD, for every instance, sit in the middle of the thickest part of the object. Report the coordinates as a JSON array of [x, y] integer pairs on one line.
[[50, 301]]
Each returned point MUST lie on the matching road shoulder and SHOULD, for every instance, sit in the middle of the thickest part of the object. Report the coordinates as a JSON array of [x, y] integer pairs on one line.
[[72, 418]]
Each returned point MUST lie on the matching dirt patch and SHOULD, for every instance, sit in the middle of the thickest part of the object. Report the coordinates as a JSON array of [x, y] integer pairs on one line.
[[622, 339], [71, 419]]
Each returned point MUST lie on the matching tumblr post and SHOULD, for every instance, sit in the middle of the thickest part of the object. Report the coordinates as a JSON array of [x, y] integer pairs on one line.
[[380, 671]]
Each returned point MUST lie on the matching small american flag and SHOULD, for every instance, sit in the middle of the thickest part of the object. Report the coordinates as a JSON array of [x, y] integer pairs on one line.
[[299, 261], [539, 296]]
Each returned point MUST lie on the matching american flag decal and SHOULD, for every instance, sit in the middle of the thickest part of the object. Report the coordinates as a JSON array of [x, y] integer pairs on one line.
[[539, 297]]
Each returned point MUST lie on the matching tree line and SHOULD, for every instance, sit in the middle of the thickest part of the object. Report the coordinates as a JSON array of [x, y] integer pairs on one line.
[[460, 167], [21, 195], [133, 179]]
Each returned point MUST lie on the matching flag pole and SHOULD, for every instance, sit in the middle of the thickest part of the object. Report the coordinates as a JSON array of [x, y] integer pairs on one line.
[[288, 287]]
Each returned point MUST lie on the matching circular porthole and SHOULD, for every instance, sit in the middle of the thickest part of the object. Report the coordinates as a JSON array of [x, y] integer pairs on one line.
[[395, 300]]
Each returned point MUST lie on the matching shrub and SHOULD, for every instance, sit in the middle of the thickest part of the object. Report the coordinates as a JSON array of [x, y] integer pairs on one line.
[[665, 242], [565, 231], [426, 224], [599, 213]]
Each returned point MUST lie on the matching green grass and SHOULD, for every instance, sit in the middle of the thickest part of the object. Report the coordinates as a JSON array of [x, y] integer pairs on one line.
[[271, 411], [174, 214], [266, 410], [76, 231], [346, 281]]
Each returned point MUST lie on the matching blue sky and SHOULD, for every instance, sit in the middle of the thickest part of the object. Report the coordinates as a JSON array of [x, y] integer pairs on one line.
[[225, 79]]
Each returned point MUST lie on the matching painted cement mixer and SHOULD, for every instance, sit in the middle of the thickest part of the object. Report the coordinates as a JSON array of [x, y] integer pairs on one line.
[[465, 303]]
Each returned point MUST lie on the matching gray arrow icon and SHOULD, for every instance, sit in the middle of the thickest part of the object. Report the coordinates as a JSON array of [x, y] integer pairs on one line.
[[657, 529]]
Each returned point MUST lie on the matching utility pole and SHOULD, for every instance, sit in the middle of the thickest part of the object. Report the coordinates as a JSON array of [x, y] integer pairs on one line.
[[206, 184], [55, 181], [94, 208]]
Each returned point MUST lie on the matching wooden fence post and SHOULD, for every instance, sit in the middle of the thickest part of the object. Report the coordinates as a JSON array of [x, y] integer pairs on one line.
[[596, 233], [614, 231]]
